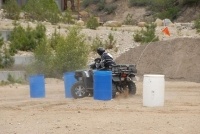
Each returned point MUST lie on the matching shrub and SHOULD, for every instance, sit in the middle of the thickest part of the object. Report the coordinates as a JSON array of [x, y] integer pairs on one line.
[[1, 40], [138, 36], [67, 17], [138, 2], [6, 60], [42, 10], [110, 8], [86, 3], [129, 20], [165, 8], [96, 43], [69, 53], [197, 25], [44, 58], [190, 2], [111, 42], [55, 39], [92, 23], [101, 5], [12, 79], [171, 13], [107, 44], [12, 10], [73, 52], [26, 39], [147, 35]]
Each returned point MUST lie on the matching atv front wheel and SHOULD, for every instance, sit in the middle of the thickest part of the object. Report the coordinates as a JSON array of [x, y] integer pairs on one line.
[[132, 87], [114, 90], [78, 90]]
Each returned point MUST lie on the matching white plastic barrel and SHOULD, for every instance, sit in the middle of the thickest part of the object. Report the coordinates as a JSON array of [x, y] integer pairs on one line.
[[153, 90]]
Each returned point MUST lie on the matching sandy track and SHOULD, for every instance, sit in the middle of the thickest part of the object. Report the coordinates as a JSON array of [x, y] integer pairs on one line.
[[55, 114]]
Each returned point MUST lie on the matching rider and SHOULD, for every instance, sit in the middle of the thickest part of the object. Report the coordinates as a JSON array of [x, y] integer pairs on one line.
[[106, 59]]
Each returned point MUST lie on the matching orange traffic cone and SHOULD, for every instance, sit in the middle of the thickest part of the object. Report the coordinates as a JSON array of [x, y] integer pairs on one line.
[[166, 31]]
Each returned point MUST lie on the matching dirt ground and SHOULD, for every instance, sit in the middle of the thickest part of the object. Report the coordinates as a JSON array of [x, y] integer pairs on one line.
[[55, 114]]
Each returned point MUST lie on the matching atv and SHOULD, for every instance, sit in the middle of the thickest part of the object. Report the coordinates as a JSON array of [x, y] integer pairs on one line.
[[122, 80]]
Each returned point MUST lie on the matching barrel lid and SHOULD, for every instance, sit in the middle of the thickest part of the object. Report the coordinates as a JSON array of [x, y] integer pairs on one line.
[[154, 75]]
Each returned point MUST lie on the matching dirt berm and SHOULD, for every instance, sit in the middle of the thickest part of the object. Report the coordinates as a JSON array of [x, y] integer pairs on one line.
[[177, 59]]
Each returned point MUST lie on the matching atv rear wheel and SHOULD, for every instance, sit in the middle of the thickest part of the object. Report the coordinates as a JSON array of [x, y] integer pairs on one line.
[[78, 90], [132, 87]]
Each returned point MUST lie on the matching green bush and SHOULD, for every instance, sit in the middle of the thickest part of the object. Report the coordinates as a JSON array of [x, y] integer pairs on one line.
[[6, 60], [96, 43], [12, 10], [107, 44], [138, 2], [165, 8], [26, 39], [73, 53], [1, 41], [67, 17], [138, 37], [190, 2], [171, 13], [129, 20], [69, 54], [110, 43], [197, 25], [11, 79], [55, 39], [86, 3], [110, 8], [42, 10], [147, 35], [44, 60], [92, 23], [101, 5], [162, 8]]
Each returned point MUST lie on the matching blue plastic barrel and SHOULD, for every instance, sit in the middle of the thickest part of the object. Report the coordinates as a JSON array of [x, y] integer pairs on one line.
[[37, 86], [102, 85], [69, 81]]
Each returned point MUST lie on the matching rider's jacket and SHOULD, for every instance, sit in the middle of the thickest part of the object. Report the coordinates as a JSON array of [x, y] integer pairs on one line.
[[107, 60]]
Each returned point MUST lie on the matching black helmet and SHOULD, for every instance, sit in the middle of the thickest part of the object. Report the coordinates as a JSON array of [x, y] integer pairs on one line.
[[100, 50]]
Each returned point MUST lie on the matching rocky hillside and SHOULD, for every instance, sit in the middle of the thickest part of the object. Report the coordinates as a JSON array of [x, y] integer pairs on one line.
[[187, 13]]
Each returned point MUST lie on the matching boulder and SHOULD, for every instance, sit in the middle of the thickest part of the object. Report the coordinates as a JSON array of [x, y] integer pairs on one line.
[[167, 22], [159, 22], [80, 22], [84, 14], [112, 24], [141, 24]]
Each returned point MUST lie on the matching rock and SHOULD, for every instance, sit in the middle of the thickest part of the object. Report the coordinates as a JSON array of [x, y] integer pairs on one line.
[[148, 13], [188, 25], [80, 22], [84, 14], [22, 15], [167, 22], [141, 24], [76, 17], [159, 22], [112, 24]]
